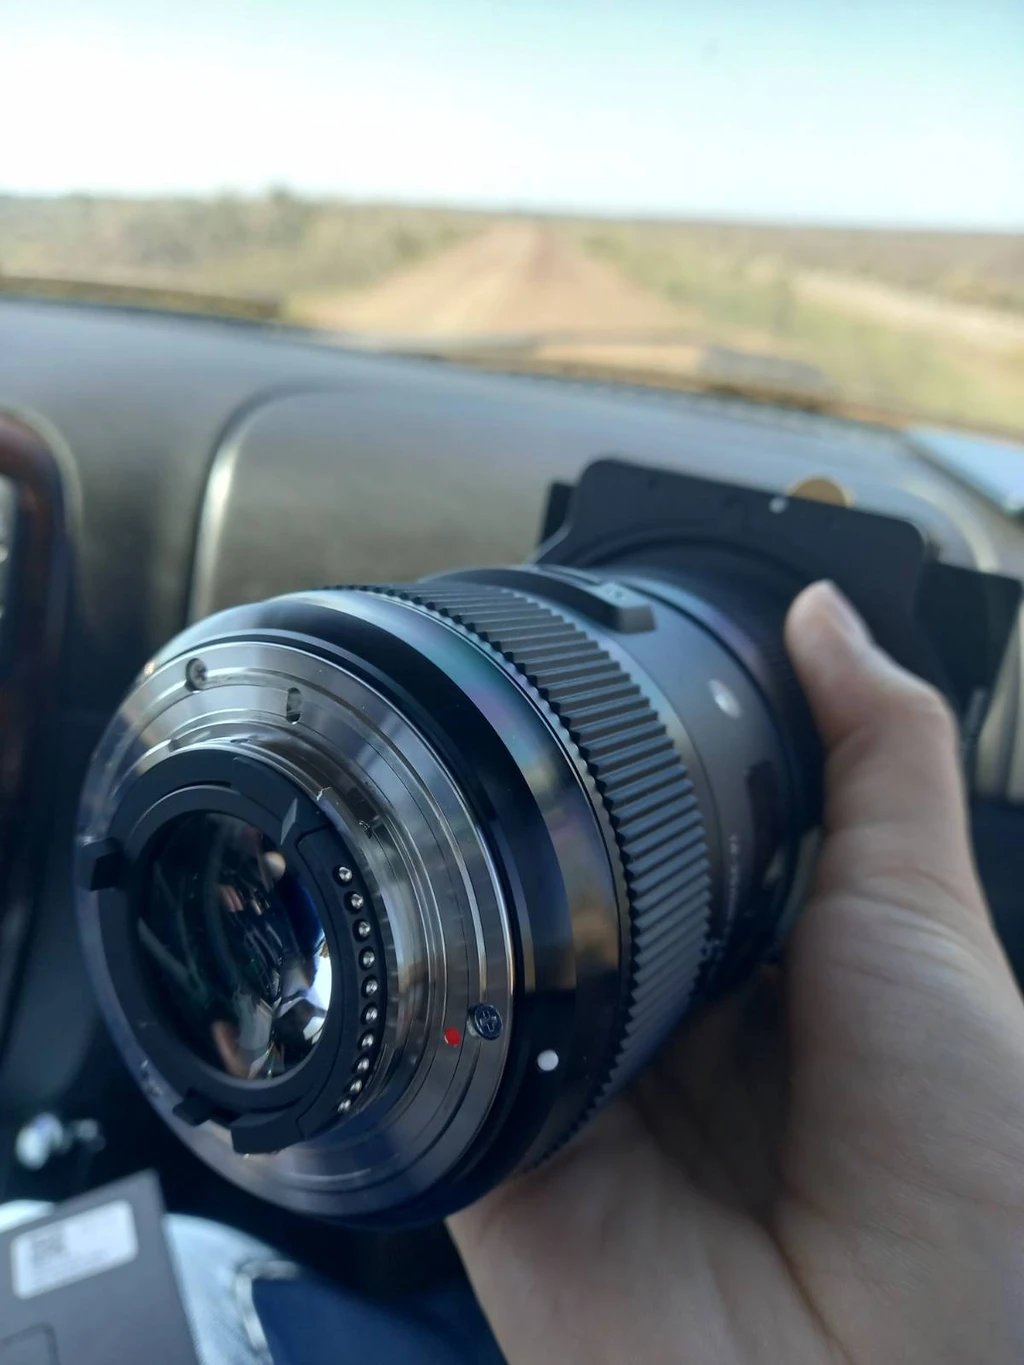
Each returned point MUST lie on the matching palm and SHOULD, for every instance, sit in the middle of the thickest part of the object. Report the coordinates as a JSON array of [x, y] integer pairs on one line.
[[666, 1201], [717, 1205]]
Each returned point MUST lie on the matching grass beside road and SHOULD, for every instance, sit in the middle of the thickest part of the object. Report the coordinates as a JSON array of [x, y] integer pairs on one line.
[[736, 295], [271, 247]]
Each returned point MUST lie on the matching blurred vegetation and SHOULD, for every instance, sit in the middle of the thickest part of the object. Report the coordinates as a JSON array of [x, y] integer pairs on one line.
[[281, 243], [982, 268], [268, 247], [747, 287]]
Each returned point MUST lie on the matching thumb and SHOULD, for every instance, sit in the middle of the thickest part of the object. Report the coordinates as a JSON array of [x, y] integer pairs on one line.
[[895, 816]]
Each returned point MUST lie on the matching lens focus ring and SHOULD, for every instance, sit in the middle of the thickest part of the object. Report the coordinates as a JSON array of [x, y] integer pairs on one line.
[[642, 782]]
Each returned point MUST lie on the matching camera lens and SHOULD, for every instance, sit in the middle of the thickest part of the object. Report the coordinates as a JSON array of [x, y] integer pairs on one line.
[[233, 947], [389, 889]]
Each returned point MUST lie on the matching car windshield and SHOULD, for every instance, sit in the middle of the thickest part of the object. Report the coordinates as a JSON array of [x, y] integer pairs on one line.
[[820, 203]]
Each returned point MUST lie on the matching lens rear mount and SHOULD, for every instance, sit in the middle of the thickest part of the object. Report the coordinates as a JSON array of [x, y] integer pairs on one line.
[[342, 770]]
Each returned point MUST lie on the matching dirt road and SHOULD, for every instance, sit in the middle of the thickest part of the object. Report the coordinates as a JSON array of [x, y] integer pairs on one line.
[[514, 278]]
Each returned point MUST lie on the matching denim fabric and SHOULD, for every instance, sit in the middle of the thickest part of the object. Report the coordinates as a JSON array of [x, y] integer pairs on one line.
[[314, 1323]]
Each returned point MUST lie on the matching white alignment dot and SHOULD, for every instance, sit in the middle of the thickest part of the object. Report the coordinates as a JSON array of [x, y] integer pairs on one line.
[[725, 699], [547, 1060]]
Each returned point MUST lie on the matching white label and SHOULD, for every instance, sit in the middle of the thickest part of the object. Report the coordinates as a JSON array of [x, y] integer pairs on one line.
[[73, 1249]]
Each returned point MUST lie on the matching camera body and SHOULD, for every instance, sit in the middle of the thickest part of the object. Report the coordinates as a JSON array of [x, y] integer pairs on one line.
[[386, 889]]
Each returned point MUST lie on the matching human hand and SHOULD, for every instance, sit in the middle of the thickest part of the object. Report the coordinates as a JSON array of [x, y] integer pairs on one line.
[[828, 1166]]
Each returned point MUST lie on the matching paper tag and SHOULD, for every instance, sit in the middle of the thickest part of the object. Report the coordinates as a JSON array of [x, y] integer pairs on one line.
[[73, 1249]]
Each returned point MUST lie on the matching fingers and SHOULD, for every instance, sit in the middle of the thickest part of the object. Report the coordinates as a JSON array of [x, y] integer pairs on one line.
[[894, 790]]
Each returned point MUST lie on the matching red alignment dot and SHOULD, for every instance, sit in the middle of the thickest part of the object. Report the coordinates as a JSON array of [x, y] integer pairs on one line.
[[452, 1037]]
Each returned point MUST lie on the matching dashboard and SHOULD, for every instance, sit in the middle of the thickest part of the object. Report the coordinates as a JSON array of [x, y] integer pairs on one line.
[[176, 466]]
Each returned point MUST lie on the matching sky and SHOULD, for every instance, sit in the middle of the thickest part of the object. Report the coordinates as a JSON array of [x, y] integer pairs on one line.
[[899, 112]]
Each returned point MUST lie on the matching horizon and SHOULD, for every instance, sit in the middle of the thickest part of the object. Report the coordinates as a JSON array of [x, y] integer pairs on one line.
[[497, 210]]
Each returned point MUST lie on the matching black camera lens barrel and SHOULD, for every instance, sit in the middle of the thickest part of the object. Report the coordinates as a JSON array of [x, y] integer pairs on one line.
[[574, 813]]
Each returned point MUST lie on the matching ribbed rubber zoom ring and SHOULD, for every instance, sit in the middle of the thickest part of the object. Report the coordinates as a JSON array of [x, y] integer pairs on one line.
[[641, 779]]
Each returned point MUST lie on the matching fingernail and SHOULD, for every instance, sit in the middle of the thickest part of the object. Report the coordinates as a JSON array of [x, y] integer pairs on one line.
[[844, 614]]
